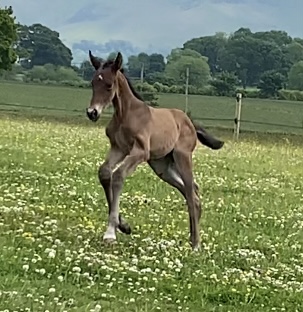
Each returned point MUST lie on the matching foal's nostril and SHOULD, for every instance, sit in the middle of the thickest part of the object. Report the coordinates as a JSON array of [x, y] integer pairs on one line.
[[92, 113]]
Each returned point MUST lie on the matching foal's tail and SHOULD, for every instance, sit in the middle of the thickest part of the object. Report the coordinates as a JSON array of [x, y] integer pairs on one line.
[[207, 139]]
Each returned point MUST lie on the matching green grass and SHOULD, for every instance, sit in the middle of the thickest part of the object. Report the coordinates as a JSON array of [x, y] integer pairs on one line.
[[53, 214], [74, 101]]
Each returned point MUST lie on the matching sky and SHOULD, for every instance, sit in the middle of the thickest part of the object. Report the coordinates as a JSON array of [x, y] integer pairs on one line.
[[133, 26]]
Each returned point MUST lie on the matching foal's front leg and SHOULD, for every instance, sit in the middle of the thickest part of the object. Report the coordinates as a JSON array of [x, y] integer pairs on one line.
[[113, 157], [128, 166]]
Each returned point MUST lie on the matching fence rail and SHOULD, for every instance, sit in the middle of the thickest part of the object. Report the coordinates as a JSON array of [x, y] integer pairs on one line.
[[11, 107], [40, 107], [271, 124]]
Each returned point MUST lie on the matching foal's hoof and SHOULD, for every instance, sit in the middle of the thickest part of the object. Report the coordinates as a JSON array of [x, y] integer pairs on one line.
[[109, 239], [125, 228], [196, 248]]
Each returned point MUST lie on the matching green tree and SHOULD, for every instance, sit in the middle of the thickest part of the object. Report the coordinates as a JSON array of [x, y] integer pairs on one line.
[[153, 63], [52, 73], [143, 58], [8, 36], [181, 59], [87, 70], [294, 52], [241, 33], [176, 53], [209, 46], [156, 63], [134, 66], [38, 73], [295, 77], [160, 77], [299, 40], [249, 57], [279, 37], [224, 84], [15, 73], [270, 83], [40, 45], [66, 74]]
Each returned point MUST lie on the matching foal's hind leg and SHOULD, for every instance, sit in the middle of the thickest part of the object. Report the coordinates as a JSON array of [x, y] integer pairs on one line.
[[165, 169], [183, 161]]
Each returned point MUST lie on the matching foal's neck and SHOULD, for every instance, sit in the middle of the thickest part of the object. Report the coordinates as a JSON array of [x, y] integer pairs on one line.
[[124, 99]]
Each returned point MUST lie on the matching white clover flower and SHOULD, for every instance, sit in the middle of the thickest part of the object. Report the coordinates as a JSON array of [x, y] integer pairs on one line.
[[76, 269], [97, 308], [52, 254], [25, 267]]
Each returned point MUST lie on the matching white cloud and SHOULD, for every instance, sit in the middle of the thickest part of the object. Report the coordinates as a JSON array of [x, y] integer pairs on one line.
[[160, 24]]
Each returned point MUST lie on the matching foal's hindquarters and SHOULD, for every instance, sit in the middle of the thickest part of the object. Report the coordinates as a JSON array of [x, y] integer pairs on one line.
[[175, 168]]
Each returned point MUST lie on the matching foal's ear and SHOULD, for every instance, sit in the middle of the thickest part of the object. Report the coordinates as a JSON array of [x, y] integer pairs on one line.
[[95, 62], [118, 62]]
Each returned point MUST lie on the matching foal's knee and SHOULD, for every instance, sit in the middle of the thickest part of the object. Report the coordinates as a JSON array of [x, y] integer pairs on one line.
[[104, 174]]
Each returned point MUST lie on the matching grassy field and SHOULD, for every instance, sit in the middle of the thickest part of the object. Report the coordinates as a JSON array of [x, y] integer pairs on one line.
[[53, 214], [74, 102]]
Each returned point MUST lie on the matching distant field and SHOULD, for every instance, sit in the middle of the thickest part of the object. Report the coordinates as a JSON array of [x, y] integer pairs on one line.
[[72, 102], [266, 111]]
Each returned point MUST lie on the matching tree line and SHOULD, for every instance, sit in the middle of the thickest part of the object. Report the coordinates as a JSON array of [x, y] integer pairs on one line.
[[260, 64]]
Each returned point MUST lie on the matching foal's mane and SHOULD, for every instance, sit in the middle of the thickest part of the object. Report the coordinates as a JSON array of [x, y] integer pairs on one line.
[[109, 63]]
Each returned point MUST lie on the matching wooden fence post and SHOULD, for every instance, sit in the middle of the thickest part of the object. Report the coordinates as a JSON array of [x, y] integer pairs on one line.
[[237, 116], [186, 90]]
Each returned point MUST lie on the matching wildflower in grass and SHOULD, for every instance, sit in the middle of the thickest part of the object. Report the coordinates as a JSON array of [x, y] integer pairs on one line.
[[25, 267]]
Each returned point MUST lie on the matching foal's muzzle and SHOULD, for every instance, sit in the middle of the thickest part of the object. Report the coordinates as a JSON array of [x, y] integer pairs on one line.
[[92, 114]]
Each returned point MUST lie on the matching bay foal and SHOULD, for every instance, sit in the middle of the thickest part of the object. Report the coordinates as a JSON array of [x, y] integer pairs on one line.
[[164, 138]]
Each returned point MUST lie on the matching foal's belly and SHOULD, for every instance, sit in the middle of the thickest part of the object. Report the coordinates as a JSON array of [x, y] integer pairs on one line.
[[163, 141]]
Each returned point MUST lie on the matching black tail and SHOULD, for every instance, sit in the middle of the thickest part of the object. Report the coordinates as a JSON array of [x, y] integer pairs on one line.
[[207, 139]]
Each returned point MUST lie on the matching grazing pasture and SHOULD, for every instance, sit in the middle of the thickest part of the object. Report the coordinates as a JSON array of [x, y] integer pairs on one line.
[[53, 214], [212, 111]]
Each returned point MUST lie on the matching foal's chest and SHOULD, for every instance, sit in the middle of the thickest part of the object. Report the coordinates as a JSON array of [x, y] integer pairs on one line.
[[120, 138]]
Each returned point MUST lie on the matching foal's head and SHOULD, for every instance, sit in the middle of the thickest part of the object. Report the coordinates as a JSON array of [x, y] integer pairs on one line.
[[104, 85]]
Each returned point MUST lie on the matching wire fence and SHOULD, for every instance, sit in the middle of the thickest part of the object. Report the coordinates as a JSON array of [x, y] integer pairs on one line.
[[271, 124], [17, 107], [11, 105], [234, 120], [257, 115]]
